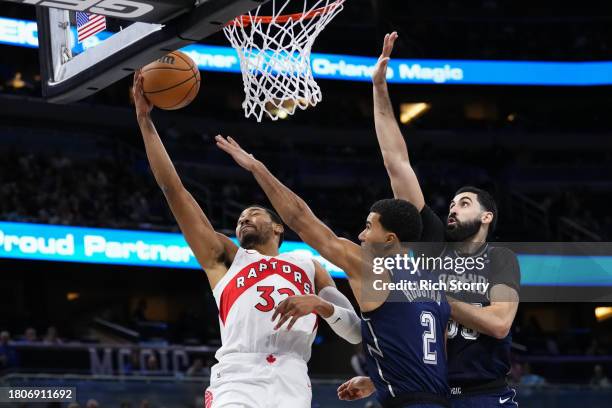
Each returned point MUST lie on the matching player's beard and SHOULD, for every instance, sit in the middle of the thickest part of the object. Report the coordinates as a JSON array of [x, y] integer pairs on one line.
[[461, 231], [258, 236]]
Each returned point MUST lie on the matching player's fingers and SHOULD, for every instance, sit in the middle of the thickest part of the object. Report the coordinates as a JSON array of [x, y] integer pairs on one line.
[[386, 47], [344, 388], [350, 395], [233, 142], [286, 309], [230, 146], [389, 42], [343, 393], [222, 144], [292, 322], [283, 320], [280, 309], [223, 147]]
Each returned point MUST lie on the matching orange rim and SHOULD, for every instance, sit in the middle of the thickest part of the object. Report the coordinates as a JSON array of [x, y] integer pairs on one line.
[[246, 20]]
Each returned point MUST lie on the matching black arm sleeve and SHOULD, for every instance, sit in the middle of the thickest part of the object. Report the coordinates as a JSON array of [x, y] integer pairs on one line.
[[505, 268], [433, 228], [432, 238]]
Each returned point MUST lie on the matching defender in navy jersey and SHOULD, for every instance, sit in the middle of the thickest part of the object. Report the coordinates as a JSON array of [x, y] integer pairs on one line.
[[404, 341], [409, 327], [479, 342], [479, 338]]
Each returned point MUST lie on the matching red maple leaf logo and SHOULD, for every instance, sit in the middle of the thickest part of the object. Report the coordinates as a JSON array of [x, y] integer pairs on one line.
[[271, 359]]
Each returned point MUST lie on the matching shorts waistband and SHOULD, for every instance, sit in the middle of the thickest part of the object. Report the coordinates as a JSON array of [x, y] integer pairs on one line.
[[259, 357], [406, 400], [478, 387]]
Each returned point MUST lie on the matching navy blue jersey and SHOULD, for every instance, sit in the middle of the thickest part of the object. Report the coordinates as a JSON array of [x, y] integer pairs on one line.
[[404, 343], [473, 357]]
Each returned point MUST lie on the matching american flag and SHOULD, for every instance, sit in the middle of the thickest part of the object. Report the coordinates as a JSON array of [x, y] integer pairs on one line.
[[88, 25]]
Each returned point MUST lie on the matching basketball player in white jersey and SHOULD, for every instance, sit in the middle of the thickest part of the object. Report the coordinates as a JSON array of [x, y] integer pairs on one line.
[[260, 365]]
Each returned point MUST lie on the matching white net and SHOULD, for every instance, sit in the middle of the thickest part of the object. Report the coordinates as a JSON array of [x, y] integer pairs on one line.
[[274, 56]]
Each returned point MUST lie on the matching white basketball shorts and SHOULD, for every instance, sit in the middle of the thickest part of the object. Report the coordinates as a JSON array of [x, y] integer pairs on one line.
[[251, 380]]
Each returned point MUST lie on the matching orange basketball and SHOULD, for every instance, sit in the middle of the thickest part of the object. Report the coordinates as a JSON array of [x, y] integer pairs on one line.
[[172, 82]]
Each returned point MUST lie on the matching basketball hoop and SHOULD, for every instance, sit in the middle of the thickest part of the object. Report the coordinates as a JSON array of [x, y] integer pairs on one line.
[[274, 54]]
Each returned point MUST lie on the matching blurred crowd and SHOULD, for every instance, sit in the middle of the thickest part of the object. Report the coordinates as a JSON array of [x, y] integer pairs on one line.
[[56, 189]]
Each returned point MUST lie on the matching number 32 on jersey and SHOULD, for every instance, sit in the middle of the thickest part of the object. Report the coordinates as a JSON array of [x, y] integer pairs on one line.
[[267, 303]]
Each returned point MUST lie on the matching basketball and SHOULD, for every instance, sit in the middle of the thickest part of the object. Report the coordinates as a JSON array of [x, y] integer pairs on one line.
[[172, 82]]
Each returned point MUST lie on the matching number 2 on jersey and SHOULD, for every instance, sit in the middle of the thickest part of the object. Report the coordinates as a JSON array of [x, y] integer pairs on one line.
[[267, 303], [429, 337]]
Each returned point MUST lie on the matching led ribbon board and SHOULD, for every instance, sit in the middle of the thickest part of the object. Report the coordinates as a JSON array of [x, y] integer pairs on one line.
[[41, 242], [169, 250], [355, 68]]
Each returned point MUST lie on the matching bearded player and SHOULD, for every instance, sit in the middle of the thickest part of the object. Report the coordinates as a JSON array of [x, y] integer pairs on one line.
[[479, 335], [260, 365]]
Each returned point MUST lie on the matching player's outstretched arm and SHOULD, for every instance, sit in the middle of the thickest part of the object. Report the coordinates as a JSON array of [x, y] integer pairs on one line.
[[212, 250], [296, 213], [404, 181]]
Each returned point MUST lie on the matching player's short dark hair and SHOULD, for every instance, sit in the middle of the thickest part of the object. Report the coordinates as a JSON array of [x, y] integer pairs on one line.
[[400, 217], [485, 200], [275, 219]]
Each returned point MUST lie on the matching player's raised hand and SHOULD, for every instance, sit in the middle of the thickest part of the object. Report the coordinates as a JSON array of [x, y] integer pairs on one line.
[[142, 104], [379, 76], [240, 156], [356, 388]]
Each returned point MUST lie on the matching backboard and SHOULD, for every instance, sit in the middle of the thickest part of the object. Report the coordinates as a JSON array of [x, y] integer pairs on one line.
[[137, 32]]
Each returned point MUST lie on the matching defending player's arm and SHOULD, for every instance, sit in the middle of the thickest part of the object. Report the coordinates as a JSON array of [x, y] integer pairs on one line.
[[212, 250], [496, 319], [330, 304], [404, 181], [296, 213]]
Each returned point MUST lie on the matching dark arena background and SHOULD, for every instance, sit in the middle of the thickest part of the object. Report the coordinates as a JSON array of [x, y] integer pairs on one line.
[[126, 331]]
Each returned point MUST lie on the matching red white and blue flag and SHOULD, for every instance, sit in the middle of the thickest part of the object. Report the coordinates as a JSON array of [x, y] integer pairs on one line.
[[88, 25]]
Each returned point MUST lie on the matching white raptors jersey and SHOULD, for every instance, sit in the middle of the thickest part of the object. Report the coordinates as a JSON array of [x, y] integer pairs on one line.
[[247, 295]]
